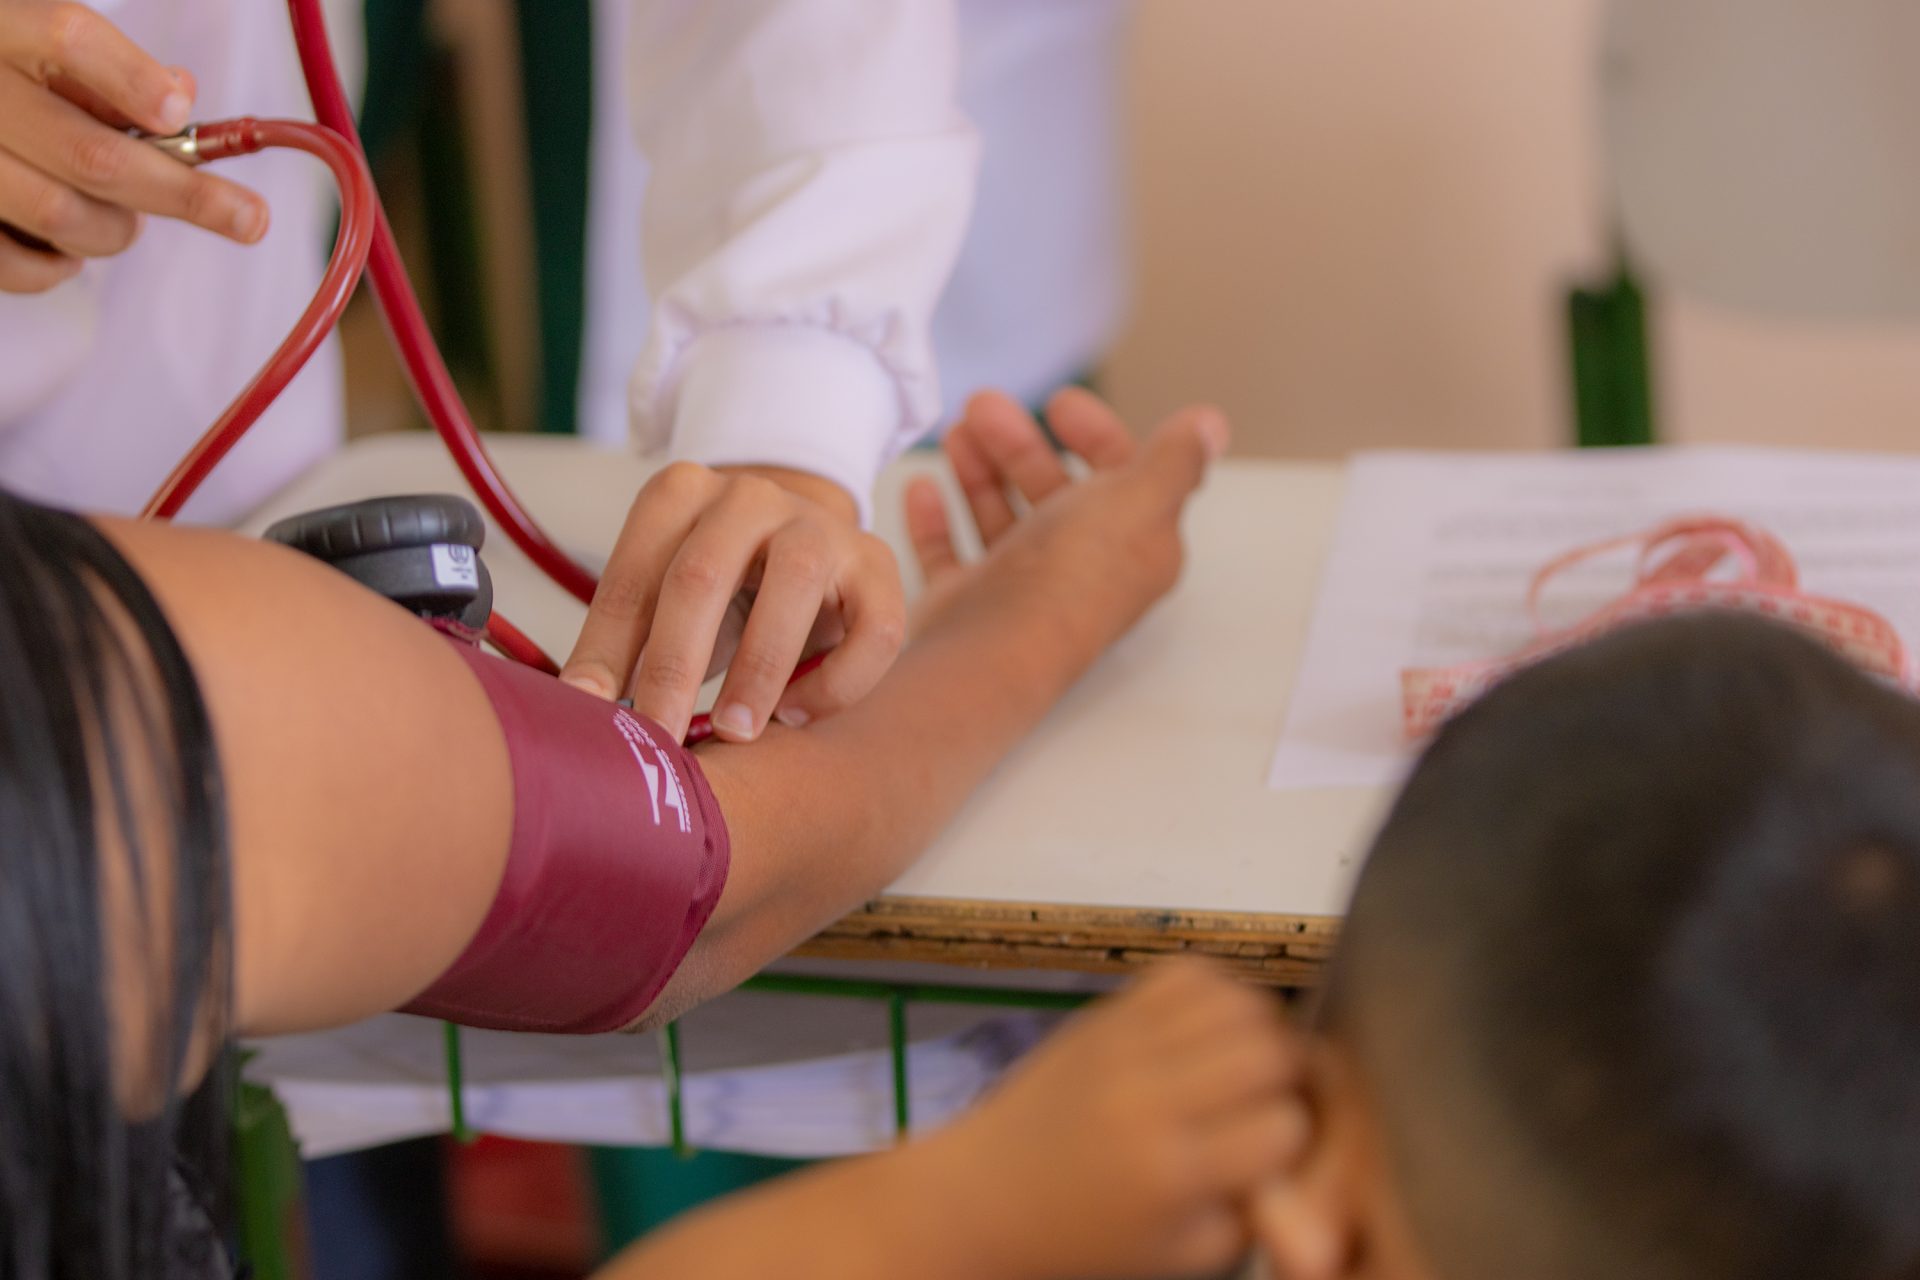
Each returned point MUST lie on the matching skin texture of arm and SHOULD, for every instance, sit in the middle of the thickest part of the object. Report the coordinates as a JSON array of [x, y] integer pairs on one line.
[[369, 789]]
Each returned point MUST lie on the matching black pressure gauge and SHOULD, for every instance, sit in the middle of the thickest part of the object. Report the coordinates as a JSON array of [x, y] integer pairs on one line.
[[421, 551]]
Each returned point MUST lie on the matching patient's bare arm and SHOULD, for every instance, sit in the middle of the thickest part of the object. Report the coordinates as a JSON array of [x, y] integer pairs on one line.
[[369, 785]]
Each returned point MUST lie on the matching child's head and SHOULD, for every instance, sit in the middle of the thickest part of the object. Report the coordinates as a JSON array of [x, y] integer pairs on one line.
[[1630, 985]]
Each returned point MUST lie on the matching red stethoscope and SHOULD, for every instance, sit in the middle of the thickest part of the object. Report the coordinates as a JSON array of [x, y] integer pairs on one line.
[[364, 245]]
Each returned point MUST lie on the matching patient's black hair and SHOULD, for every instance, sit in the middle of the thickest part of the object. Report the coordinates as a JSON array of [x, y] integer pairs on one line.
[[1633, 971], [113, 853]]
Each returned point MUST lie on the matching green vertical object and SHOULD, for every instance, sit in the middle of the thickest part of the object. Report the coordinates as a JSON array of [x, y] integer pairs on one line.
[[897, 1050], [456, 1084], [556, 68], [267, 1165], [1612, 363], [676, 1101]]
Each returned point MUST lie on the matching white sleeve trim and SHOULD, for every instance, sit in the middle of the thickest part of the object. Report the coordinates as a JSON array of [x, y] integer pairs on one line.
[[795, 395]]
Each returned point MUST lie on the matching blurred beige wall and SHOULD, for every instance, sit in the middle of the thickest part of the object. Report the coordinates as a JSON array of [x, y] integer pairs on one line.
[[1356, 224]]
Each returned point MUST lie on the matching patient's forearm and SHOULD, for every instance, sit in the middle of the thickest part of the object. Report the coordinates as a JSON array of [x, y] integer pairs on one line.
[[824, 818]]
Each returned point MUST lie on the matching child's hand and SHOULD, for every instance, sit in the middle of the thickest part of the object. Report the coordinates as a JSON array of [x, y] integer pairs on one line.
[[1099, 551], [1131, 1143]]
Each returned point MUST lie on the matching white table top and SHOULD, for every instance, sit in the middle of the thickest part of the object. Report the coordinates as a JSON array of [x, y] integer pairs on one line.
[[1144, 789]]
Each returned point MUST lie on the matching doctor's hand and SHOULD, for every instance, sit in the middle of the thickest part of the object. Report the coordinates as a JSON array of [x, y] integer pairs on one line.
[[746, 569], [72, 182]]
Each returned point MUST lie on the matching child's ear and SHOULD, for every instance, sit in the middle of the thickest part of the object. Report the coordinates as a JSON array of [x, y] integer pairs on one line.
[[1313, 1224]]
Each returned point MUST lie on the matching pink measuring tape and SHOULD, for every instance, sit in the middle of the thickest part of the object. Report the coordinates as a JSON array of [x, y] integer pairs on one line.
[[1674, 563]]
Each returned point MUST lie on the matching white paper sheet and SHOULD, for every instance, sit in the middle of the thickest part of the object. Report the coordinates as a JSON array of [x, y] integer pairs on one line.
[[1433, 554]]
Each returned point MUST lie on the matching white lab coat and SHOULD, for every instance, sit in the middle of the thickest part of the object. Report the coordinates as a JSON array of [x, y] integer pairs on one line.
[[1041, 286], [812, 183], [106, 381]]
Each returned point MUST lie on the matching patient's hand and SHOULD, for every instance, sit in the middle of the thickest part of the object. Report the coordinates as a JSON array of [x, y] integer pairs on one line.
[[1092, 553]]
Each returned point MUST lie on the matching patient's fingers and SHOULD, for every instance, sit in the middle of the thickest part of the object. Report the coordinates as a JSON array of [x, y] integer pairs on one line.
[[1016, 447], [1175, 458], [979, 480], [929, 530], [1088, 426]]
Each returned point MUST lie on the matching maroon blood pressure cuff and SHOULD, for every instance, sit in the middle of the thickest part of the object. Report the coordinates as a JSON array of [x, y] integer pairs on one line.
[[619, 855]]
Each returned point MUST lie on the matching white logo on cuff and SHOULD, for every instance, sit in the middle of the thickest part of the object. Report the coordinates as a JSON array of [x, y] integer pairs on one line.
[[663, 783]]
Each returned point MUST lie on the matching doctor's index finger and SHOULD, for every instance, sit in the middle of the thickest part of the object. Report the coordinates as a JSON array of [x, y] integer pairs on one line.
[[49, 40], [621, 615], [68, 145], [695, 591]]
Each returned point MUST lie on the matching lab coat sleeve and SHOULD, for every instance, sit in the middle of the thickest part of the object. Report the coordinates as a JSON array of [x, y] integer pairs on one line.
[[810, 179]]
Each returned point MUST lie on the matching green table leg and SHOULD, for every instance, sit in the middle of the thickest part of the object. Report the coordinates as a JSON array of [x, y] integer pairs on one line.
[[897, 1045], [456, 1084], [676, 1099]]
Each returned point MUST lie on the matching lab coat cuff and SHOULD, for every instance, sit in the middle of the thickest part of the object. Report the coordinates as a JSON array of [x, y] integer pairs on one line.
[[793, 396]]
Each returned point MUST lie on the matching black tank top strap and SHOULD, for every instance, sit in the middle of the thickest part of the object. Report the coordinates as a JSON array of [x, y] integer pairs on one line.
[[195, 1250]]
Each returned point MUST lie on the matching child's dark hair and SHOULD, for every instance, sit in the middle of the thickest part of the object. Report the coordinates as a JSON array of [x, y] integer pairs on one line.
[[1633, 971]]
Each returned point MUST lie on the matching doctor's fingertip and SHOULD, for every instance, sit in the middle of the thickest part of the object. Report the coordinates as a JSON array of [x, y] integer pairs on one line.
[[588, 684], [734, 722], [793, 717], [249, 222]]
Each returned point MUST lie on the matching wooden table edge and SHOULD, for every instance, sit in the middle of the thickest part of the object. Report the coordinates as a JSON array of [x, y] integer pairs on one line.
[[1279, 950]]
